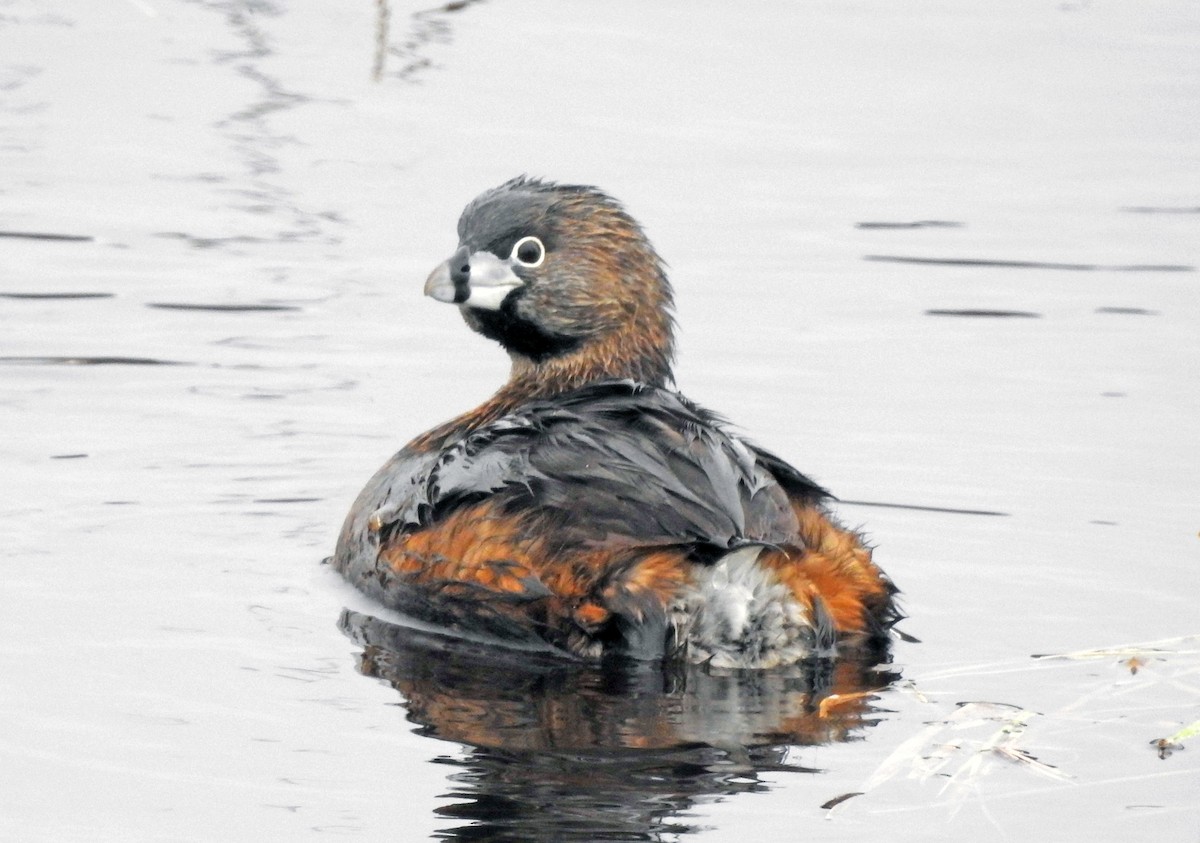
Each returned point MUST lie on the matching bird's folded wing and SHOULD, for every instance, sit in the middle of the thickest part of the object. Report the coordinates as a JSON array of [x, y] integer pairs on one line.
[[612, 465]]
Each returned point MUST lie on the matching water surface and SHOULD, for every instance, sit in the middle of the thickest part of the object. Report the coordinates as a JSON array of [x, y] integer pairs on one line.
[[941, 257]]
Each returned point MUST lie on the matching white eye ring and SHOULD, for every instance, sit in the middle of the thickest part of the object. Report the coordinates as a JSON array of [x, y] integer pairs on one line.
[[524, 245]]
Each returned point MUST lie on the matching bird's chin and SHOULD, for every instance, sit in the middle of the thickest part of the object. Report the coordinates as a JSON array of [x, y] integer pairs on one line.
[[489, 297]]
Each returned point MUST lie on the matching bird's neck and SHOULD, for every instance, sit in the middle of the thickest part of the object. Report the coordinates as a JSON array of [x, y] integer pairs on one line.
[[644, 357], [636, 356]]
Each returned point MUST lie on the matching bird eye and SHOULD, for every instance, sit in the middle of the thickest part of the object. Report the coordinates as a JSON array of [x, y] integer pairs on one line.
[[529, 251]]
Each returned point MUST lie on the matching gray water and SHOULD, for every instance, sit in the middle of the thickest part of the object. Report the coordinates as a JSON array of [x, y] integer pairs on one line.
[[941, 256]]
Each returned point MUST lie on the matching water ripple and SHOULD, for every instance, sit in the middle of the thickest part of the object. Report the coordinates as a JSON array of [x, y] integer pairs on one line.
[[1021, 264]]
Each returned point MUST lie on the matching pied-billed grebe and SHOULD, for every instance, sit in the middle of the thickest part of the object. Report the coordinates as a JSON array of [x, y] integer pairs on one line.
[[587, 505]]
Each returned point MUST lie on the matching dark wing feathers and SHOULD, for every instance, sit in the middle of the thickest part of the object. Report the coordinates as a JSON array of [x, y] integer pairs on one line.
[[629, 464], [798, 486]]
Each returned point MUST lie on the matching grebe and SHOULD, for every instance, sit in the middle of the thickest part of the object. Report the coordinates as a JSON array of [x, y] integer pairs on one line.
[[587, 505]]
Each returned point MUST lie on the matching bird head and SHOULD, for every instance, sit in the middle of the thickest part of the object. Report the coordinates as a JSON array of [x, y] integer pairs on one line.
[[564, 279]]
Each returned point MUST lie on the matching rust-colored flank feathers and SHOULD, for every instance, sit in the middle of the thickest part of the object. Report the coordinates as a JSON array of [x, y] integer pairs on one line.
[[587, 506]]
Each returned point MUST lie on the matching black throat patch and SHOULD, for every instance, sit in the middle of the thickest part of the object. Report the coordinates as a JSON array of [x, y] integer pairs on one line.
[[519, 335]]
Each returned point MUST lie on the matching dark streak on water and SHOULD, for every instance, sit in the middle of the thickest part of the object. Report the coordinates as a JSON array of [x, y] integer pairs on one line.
[[222, 308], [47, 296], [198, 242], [926, 508], [1005, 264], [909, 225], [1164, 209], [428, 27], [67, 456], [999, 314], [1131, 311], [38, 235], [91, 361]]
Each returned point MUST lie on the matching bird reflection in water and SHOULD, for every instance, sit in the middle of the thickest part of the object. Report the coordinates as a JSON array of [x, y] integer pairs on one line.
[[567, 751]]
